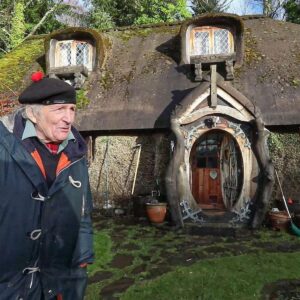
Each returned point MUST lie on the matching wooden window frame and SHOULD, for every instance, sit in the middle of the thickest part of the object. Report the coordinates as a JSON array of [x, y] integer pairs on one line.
[[211, 31], [74, 44]]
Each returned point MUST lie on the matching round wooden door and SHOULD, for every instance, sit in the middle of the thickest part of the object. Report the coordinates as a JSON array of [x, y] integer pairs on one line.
[[216, 170], [206, 177]]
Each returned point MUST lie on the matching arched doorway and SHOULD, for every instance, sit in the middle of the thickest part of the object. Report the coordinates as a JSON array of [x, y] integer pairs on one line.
[[217, 170]]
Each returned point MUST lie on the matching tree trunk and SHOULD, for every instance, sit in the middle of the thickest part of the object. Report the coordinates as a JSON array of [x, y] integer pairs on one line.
[[173, 175], [267, 7], [266, 176]]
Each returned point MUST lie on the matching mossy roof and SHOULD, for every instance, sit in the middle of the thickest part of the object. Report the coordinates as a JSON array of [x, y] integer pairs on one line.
[[16, 66], [142, 81]]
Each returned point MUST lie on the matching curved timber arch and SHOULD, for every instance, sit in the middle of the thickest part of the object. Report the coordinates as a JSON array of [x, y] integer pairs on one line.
[[237, 178]]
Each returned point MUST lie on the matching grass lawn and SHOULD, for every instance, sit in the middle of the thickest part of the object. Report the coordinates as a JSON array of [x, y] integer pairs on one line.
[[221, 268], [240, 277]]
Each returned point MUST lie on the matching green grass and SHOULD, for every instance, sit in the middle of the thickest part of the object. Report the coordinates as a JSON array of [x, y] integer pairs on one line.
[[230, 274], [240, 277], [102, 248]]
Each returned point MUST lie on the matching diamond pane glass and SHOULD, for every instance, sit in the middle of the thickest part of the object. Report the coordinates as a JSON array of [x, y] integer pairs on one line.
[[82, 54], [65, 58], [221, 42], [201, 43]]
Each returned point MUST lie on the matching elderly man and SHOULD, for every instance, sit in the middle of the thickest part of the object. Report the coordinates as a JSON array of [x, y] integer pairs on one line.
[[45, 202]]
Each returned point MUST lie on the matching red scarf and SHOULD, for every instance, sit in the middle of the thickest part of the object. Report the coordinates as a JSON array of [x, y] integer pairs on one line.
[[52, 147]]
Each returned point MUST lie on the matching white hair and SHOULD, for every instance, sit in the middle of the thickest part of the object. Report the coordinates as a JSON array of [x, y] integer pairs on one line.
[[35, 109]]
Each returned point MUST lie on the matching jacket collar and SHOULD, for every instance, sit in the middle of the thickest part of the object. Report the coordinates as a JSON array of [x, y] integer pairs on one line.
[[22, 158], [74, 148], [30, 131], [11, 139]]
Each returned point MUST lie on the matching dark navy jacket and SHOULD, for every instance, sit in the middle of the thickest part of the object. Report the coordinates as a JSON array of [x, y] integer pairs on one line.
[[45, 234]]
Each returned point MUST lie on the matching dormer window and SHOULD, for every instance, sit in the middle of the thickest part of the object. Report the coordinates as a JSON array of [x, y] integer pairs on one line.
[[211, 41], [73, 53]]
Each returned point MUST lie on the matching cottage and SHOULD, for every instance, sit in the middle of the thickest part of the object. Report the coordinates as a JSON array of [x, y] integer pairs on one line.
[[188, 111]]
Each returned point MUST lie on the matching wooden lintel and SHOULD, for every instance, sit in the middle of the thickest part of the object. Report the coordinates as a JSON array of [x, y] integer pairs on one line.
[[213, 86], [216, 58]]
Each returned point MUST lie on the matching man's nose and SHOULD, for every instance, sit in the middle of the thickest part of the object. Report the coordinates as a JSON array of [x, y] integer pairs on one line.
[[68, 117]]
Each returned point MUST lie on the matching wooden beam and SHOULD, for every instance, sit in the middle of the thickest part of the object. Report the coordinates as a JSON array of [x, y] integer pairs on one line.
[[213, 86]]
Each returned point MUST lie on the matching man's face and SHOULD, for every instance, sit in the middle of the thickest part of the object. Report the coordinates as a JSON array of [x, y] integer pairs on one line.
[[53, 122]]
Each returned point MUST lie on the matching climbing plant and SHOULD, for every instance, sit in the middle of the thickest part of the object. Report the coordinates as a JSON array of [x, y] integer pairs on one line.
[[285, 153]]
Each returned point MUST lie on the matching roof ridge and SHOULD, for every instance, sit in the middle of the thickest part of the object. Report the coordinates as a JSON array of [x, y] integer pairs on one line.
[[250, 17]]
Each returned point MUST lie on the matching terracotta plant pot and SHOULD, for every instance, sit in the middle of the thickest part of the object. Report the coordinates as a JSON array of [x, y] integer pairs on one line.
[[156, 212], [279, 220]]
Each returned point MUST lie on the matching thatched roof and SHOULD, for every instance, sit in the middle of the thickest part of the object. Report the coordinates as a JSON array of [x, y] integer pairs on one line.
[[141, 80]]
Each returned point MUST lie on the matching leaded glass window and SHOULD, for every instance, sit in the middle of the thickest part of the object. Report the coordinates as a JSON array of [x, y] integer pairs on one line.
[[65, 54], [221, 41], [211, 40], [201, 42], [82, 54], [73, 53]]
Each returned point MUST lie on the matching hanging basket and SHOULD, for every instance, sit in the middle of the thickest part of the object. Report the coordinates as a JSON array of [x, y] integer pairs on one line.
[[156, 212], [279, 220]]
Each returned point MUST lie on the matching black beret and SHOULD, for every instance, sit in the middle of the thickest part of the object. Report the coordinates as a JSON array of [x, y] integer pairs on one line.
[[48, 91]]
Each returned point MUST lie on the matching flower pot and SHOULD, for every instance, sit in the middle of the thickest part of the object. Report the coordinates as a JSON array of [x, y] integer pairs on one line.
[[279, 220], [156, 212]]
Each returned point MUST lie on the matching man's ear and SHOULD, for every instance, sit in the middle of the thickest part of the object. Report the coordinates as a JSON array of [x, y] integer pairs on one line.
[[30, 114]]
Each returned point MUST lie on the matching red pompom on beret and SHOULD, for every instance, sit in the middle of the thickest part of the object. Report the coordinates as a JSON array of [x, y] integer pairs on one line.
[[47, 91], [37, 76]]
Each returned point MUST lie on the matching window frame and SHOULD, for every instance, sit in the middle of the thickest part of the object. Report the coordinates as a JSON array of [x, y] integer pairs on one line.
[[211, 31], [74, 44], [204, 153]]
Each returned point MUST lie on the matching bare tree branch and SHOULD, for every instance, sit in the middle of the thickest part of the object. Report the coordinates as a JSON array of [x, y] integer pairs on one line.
[[7, 87], [202, 6], [28, 3], [272, 8], [3, 50], [40, 23], [6, 32]]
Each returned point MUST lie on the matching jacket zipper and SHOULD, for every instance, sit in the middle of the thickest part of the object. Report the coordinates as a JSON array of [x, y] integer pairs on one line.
[[69, 165]]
